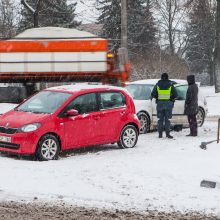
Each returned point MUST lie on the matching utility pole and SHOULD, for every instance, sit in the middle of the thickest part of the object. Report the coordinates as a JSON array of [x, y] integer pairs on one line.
[[123, 50], [124, 26]]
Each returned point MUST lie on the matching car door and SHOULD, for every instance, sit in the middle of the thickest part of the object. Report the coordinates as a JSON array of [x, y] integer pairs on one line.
[[80, 130], [179, 105], [112, 114]]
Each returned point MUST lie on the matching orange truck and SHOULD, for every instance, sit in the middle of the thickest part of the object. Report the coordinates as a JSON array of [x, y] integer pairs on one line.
[[52, 54]]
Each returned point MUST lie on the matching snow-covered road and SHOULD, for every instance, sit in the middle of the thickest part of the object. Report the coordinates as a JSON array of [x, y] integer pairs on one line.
[[158, 174]]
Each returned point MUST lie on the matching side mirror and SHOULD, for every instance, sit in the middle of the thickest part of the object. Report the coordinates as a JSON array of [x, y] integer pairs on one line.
[[72, 112]]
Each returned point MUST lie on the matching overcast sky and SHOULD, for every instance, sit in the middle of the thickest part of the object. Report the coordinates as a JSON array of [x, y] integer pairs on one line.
[[86, 11]]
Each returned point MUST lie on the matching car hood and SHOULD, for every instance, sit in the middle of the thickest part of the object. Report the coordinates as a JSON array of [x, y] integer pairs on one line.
[[5, 107], [16, 119]]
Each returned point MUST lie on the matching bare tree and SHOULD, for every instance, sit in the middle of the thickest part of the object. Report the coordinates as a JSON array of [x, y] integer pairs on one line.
[[217, 50], [172, 16], [7, 18]]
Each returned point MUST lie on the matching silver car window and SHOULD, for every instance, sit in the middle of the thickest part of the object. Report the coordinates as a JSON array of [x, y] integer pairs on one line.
[[139, 91]]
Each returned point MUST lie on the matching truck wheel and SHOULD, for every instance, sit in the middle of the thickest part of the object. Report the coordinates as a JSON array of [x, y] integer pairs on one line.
[[48, 148], [128, 137]]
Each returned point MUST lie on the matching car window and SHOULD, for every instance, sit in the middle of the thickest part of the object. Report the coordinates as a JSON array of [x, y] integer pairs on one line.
[[140, 92], [111, 100], [84, 103], [181, 92], [44, 102]]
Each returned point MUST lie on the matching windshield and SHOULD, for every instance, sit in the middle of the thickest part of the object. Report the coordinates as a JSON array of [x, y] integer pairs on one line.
[[45, 102], [140, 91]]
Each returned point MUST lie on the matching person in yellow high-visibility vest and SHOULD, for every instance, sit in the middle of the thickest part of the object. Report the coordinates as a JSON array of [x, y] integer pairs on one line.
[[165, 94]]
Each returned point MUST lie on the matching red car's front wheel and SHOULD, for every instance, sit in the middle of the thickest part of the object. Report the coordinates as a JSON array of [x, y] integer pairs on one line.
[[48, 148]]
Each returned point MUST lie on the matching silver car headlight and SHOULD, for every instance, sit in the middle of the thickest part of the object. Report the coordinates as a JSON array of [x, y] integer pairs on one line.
[[30, 127]]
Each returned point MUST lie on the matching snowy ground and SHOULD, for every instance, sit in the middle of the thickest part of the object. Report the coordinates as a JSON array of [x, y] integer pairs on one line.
[[213, 101], [158, 174]]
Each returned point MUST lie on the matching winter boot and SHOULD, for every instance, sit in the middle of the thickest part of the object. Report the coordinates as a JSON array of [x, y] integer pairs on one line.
[[160, 134], [190, 133], [168, 135]]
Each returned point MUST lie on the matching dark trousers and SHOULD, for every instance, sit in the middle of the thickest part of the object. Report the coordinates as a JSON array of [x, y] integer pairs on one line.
[[163, 120], [193, 125]]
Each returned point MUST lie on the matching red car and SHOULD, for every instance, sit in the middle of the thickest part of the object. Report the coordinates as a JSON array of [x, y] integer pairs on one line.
[[67, 117]]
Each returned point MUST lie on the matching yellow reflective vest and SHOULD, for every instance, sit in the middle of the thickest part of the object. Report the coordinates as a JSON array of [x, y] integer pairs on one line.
[[164, 94]]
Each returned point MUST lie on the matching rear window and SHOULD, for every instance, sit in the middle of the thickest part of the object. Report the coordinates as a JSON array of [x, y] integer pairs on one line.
[[181, 92], [110, 100]]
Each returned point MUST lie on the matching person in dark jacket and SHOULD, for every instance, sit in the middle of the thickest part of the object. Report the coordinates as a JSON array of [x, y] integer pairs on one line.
[[165, 94], [191, 105]]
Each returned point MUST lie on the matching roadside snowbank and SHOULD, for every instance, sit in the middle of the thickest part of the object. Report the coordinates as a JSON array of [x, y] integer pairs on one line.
[[213, 100]]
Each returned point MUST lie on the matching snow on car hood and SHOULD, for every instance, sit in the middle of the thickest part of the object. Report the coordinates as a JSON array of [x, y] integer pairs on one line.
[[17, 119], [5, 107]]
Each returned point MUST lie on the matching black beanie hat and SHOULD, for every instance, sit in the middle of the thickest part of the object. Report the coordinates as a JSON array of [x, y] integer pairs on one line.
[[164, 76], [191, 79]]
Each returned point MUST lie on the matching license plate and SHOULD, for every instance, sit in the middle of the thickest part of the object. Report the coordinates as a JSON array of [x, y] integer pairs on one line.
[[5, 139]]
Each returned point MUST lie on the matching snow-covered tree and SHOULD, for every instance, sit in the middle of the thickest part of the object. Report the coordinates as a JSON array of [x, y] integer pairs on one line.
[[47, 13], [141, 26], [110, 18], [201, 35]]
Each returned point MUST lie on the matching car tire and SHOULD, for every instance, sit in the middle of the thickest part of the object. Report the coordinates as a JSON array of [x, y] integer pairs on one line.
[[48, 148], [200, 117], [144, 122], [128, 137]]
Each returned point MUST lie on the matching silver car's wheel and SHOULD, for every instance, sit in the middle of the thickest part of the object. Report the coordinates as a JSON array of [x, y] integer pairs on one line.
[[48, 148], [144, 122], [200, 117], [128, 137]]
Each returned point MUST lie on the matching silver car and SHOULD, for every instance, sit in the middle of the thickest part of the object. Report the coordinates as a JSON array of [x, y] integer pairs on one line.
[[146, 108]]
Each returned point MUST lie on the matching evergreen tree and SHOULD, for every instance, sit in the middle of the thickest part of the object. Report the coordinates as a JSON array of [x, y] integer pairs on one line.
[[201, 33], [51, 13], [141, 29], [110, 18]]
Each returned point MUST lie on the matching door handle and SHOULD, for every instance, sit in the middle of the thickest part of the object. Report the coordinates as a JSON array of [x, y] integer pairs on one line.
[[97, 117]]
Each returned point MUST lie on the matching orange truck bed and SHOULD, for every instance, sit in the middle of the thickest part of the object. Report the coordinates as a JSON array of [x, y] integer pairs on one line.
[[54, 59]]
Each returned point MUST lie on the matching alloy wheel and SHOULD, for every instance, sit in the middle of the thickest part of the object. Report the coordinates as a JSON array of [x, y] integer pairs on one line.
[[143, 123], [49, 149], [129, 137], [200, 118]]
